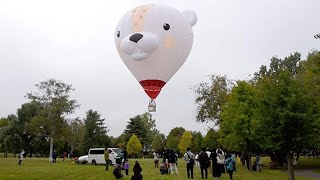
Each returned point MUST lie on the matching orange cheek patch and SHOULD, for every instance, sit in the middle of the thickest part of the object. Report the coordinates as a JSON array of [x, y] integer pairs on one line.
[[138, 16], [169, 42]]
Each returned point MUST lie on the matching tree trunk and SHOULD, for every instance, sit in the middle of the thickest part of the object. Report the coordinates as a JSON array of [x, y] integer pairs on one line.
[[290, 167], [51, 149], [298, 156], [5, 151], [250, 162]]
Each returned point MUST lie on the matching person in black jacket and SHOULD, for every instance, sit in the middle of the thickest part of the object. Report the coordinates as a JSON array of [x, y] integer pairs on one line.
[[204, 162], [216, 173], [125, 156], [172, 159], [137, 172], [117, 171]]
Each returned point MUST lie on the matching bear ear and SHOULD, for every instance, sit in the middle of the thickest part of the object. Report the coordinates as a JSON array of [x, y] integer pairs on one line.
[[191, 17]]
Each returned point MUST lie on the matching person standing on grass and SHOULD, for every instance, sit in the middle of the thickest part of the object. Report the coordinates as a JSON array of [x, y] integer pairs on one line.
[[229, 162], [172, 162], [156, 159], [216, 173], [189, 158], [125, 155], [197, 160], [126, 166], [220, 160], [137, 172], [106, 158], [64, 156], [259, 162], [21, 157], [54, 157], [209, 164], [165, 156], [204, 161]]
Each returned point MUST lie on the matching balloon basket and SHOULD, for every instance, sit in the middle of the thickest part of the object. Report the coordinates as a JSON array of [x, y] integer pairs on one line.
[[152, 106]]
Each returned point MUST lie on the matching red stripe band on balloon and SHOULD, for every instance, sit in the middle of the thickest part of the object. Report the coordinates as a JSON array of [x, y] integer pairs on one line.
[[152, 87]]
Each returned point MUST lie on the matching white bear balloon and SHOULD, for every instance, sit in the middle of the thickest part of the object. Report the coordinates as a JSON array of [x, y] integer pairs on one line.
[[154, 41]]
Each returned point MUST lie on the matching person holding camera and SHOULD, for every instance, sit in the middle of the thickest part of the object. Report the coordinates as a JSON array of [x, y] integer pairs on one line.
[[189, 158]]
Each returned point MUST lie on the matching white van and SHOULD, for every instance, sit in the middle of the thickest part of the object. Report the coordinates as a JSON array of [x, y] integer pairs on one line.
[[96, 155]]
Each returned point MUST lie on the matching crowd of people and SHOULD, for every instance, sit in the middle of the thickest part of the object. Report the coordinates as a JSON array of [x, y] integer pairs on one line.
[[122, 163], [215, 162]]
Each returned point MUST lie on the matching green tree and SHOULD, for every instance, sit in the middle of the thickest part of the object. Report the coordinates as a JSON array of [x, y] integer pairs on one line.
[[285, 117], [185, 141], [134, 146], [121, 141], [95, 134], [55, 97], [211, 97], [210, 140], [77, 132], [309, 80], [144, 127], [10, 140], [29, 137], [238, 127], [173, 138], [197, 137], [157, 143]]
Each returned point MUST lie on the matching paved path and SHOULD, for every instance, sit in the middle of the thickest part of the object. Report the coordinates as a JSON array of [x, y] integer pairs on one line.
[[306, 173]]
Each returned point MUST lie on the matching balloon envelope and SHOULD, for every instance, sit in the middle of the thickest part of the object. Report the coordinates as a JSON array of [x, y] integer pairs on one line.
[[154, 41]]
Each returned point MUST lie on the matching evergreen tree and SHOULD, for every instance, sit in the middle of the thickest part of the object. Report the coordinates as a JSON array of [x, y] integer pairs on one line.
[[134, 146], [143, 126], [185, 141], [95, 132]]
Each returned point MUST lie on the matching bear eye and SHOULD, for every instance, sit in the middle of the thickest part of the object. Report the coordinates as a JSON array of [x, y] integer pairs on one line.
[[118, 33], [166, 26]]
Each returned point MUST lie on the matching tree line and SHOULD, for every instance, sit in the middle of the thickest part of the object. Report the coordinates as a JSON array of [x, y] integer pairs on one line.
[[275, 112], [42, 126]]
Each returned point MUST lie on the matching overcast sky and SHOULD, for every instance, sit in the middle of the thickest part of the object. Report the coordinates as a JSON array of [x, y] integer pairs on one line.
[[73, 41]]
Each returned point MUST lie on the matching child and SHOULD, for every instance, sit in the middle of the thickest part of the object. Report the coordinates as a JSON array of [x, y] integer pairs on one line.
[[126, 167]]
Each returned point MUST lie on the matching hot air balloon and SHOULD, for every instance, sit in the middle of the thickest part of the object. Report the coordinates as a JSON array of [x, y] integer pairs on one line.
[[154, 41]]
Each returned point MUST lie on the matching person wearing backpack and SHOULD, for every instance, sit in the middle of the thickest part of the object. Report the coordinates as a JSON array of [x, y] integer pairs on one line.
[[229, 162], [189, 158], [204, 162]]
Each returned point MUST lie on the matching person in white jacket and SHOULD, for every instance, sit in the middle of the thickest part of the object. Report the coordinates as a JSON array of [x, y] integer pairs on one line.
[[21, 157], [197, 160]]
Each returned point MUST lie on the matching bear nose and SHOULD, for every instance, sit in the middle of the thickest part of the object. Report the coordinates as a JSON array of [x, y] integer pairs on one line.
[[135, 37]]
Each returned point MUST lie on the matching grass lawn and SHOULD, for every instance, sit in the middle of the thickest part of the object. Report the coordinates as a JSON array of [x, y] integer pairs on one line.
[[40, 168]]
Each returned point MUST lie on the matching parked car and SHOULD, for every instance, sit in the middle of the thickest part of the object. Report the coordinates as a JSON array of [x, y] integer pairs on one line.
[[82, 159], [96, 155]]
